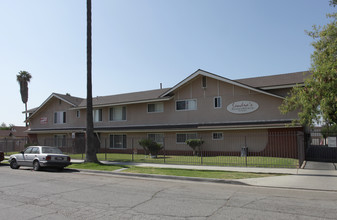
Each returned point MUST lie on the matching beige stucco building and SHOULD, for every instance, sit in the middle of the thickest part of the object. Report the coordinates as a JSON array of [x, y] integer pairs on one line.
[[203, 105]]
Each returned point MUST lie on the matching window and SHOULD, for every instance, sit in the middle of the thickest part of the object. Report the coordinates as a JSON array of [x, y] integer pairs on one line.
[[117, 113], [217, 136], [204, 82], [118, 141], [190, 104], [97, 115], [182, 138], [217, 102], [59, 140], [157, 137], [59, 117], [155, 107], [28, 150], [35, 150], [78, 114]]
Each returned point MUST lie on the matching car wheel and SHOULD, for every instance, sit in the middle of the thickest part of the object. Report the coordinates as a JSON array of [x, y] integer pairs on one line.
[[14, 164], [36, 165], [60, 169]]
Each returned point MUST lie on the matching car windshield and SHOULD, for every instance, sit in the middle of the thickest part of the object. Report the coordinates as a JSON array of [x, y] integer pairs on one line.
[[53, 150]]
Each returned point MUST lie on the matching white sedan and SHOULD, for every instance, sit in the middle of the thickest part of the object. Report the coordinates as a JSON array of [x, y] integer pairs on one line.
[[38, 157]]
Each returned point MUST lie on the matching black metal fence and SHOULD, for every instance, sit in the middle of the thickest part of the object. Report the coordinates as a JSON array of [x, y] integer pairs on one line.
[[321, 148], [268, 149]]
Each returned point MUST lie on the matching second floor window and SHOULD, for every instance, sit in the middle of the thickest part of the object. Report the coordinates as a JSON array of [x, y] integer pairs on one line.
[[97, 113], [155, 107], [217, 102], [60, 117], [190, 104], [117, 113]]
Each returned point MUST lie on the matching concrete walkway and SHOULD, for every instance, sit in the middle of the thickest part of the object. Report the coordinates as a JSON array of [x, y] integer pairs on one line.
[[315, 175]]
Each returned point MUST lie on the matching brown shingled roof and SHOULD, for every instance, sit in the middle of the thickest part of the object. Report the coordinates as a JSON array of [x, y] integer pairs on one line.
[[16, 131], [276, 80], [125, 98], [72, 99]]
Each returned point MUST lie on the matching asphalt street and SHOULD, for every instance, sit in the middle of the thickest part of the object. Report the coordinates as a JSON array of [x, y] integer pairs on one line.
[[26, 194]]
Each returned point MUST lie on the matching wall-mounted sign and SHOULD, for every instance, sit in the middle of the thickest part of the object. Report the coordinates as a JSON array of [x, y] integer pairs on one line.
[[242, 107], [332, 142], [43, 120]]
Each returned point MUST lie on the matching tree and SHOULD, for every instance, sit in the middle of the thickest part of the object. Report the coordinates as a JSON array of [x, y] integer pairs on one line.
[[23, 79], [316, 101], [90, 150]]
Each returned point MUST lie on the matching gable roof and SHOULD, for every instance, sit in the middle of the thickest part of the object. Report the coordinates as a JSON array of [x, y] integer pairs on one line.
[[72, 100], [217, 77], [287, 80]]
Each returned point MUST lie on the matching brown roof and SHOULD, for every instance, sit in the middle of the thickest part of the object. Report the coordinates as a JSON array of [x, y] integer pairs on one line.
[[16, 131], [258, 83], [276, 80], [72, 99], [126, 97]]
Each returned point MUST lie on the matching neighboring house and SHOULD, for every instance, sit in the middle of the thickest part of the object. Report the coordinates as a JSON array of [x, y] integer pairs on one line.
[[13, 139], [203, 105], [16, 132]]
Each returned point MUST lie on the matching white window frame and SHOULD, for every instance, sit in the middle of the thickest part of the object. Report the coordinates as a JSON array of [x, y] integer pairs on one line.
[[186, 137], [216, 134], [60, 117], [156, 108], [214, 102], [187, 104], [113, 110], [158, 137], [98, 115]]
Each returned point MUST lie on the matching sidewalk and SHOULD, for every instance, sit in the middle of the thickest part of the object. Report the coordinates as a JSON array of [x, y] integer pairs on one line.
[[313, 177]]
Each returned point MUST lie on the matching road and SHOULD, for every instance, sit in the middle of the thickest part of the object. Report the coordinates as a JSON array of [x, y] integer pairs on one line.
[[27, 194]]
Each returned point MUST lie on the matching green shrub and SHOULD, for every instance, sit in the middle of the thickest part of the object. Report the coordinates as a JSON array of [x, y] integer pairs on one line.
[[150, 146], [195, 144]]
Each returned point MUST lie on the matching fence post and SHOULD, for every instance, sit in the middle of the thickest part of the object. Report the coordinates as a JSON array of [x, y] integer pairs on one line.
[[201, 156], [105, 149], [164, 150], [133, 150], [246, 155]]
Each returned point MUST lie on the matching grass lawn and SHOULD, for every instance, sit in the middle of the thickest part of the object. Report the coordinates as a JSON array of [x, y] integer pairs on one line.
[[273, 162], [172, 172], [95, 166]]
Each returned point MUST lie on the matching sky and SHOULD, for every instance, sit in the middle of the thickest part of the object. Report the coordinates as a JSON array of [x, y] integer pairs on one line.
[[138, 44]]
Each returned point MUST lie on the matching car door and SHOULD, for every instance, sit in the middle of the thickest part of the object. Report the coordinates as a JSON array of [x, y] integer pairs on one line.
[[29, 157], [21, 158]]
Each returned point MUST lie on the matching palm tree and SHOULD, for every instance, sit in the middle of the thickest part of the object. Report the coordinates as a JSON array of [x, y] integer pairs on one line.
[[90, 150], [23, 79]]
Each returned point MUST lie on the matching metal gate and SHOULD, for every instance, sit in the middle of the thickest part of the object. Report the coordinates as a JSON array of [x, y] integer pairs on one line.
[[319, 148]]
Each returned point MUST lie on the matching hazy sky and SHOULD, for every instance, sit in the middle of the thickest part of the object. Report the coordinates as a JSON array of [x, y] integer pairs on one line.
[[138, 44]]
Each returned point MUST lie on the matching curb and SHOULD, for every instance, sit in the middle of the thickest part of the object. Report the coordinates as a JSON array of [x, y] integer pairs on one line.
[[155, 176], [194, 179]]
